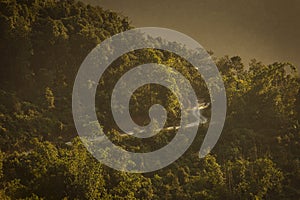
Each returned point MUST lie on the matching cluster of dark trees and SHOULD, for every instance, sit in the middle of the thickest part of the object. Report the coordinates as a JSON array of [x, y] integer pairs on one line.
[[43, 43]]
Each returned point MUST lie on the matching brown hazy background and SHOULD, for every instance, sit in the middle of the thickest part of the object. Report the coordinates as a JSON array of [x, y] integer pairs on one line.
[[266, 30]]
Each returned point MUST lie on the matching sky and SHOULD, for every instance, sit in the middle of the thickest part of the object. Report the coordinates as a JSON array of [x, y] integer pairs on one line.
[[267, 30]]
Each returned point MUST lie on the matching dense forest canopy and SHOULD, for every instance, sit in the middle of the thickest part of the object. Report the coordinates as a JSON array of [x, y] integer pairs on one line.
[[43, 43]]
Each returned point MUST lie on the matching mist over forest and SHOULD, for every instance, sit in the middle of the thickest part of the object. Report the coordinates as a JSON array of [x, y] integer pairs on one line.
[[42, 45]]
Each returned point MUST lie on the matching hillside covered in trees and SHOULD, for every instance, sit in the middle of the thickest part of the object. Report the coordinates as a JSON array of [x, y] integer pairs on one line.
[[42, 45]]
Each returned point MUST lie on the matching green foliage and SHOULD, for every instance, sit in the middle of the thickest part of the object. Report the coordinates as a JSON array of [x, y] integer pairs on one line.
[[42, 46], [49, 98]]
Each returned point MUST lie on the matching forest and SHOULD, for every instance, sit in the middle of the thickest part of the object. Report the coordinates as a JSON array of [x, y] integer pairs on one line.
[[42, 45]]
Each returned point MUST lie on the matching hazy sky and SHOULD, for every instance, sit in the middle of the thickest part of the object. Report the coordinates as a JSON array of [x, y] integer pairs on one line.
[[266, 30]]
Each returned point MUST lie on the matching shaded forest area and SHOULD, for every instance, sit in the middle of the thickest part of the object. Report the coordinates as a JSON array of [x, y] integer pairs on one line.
[[43, 43]]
